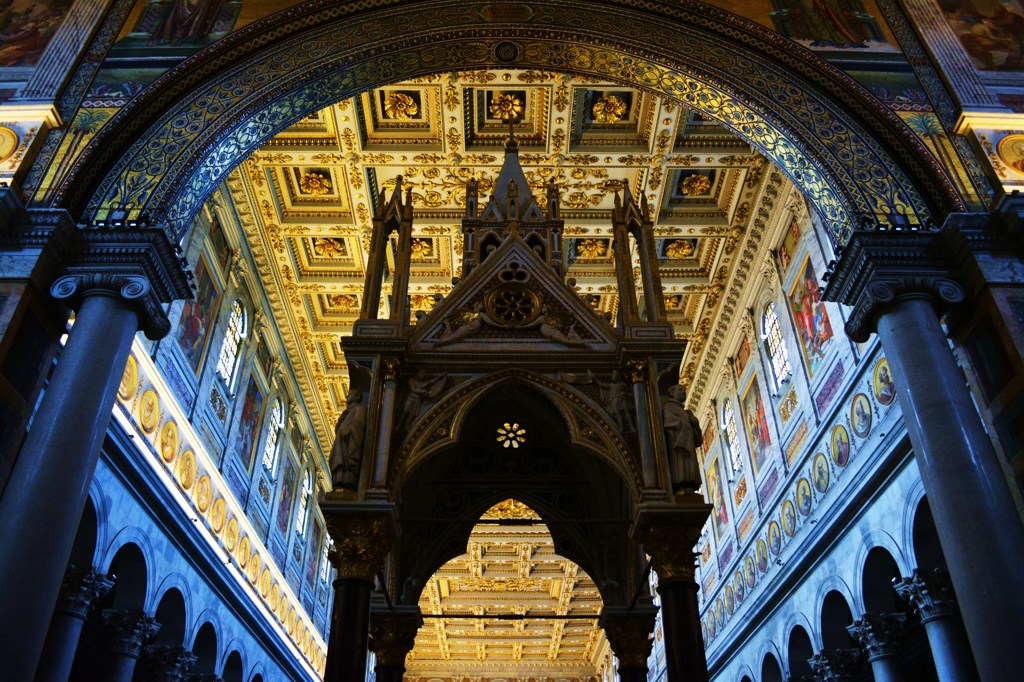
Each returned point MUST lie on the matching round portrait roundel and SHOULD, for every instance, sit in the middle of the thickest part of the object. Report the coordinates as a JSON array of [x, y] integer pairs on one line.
[[881, 383], [840, 445], [803, 496]]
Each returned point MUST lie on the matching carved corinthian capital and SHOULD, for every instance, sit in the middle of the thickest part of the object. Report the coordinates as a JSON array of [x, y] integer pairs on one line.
[[930, 592], [363, 537], [629, 633], [877, 633], [393, 633], [668, 534], [127, 631], [80, 590], [878, 268], [138, 264]]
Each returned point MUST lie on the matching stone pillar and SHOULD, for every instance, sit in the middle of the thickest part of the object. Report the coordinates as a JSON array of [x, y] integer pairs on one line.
[[116, 279], [900, 282], [126, 633], [392, 635], [629, 634], [164, 663], [668, 533], [77, 595], [363, 535], [638, 375], [389, 373], [877, 636], [931, 593]]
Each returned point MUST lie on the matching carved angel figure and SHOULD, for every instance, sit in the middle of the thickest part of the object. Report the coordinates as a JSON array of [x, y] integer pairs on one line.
[[422, 388], [552, 325], [461, 325]]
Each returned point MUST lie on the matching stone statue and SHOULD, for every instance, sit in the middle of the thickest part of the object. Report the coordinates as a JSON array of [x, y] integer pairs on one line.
[[462, 324], [347, 452], [682, 434], [619, 401], [421, 389], [552, 325]]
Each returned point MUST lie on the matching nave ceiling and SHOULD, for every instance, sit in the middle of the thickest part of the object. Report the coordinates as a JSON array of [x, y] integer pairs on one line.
[[305, 199]]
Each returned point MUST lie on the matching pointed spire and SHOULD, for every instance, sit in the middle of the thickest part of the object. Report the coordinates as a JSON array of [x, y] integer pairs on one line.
[[512, 184]]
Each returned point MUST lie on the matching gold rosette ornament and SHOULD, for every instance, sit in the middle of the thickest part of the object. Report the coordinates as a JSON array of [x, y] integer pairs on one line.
[[609, 109], [400, 107], [506, 107]]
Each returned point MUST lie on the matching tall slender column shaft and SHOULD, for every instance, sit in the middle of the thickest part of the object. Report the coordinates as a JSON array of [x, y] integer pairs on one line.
[[126, 633], [684, 645], [77, 596], [974, 513], [48, 486], [931, 594], [350, 622]]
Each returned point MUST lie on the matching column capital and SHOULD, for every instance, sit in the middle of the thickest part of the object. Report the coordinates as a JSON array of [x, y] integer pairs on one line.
[[390, 366], [879, 267], [877, 633], [636, 370], [393, 633], [168, 663], [629, 633], [835, 666], [127, 630], [930, 592], [363, 534], [668, 533], [138, 264], [80, 590]]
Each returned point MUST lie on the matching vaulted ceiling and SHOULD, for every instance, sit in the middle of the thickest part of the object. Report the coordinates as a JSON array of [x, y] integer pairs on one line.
[[305, 199]]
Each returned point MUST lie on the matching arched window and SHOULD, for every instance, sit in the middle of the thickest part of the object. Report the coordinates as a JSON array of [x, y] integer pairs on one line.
[[771, 332], [729, 425], [301, 520], [227, 365], [272, 447], [325, 563]]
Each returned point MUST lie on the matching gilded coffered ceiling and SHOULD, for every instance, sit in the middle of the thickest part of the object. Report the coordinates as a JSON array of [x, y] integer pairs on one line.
[[305, 199], [305, 202], [510, 571]]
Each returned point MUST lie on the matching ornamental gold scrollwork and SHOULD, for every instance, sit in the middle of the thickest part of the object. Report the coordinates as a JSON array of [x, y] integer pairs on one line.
[[636, 370], [361, 544]]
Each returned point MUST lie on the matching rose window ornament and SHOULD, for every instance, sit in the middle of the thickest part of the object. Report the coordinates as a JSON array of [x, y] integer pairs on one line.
[[513, 306], [511, 435]]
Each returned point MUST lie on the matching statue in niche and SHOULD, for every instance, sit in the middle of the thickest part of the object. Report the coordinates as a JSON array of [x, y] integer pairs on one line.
[[682, 431], [615, 396], [347, 452], [422, 388]]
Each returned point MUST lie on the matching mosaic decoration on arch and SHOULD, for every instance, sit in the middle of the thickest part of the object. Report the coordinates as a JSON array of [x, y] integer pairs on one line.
[[864, 164]]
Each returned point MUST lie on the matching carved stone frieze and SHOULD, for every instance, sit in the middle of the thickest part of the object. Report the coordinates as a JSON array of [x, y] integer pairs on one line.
[[363, 537], [880, 267], [392, 634]]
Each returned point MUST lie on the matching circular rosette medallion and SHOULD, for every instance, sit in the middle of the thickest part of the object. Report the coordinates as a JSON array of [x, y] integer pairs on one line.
[[512, 305]]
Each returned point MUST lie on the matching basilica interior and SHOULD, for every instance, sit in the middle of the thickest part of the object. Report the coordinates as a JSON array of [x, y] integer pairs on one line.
[[511, 342]]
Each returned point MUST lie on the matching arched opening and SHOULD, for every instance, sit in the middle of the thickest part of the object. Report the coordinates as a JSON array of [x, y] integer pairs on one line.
[[129, 570], [453, 36], [835, 617], [515, 444], [84, 549], [257, 678], [233, 670], [170, 613], [510, 586], [770, 670], [799, 651], [205, 649], [927, 550], [880, 570]]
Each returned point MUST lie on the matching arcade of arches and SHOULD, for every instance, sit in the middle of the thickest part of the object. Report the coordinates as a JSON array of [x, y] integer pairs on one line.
[[535, 342]]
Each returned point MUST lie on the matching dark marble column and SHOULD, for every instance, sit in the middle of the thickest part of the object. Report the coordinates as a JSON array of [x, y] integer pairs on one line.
[[392, 635], [629, 634], [363, 535], [877, 636], [116, 280], [126, 633], [839, 665], [931, 593], [77, 595], [899, 283], [668, 533]]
